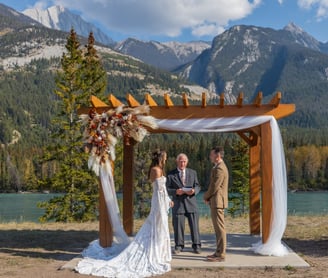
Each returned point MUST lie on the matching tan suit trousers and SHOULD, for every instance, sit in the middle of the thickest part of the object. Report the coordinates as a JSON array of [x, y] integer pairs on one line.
[[217, 215]]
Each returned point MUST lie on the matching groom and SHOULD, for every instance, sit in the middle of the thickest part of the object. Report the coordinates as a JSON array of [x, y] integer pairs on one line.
[[182, 184]]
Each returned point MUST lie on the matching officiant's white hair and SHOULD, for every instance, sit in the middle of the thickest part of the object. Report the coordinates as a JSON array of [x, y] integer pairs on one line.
[[182, 155]]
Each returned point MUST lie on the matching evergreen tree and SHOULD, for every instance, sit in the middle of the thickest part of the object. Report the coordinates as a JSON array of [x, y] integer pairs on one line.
[[93, 76], [72, 176], [239, 186], [143, 188]]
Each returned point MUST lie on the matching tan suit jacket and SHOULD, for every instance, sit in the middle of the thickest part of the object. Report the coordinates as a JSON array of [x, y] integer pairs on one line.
[[217, 193]]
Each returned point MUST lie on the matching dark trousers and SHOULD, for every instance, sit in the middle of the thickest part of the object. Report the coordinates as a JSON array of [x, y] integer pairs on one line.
[[178, 220]]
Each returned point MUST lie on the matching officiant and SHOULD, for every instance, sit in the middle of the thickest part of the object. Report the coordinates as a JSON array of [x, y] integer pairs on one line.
[[182, 184]]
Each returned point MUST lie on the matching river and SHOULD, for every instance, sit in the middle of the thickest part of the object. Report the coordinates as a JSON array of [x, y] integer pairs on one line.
[[23, 207]]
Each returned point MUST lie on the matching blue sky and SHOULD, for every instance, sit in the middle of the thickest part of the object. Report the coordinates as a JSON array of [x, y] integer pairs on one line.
[[187, 20]]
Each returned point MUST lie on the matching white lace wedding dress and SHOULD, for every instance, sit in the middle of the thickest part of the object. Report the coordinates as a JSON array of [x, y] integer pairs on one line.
[[148, 254]]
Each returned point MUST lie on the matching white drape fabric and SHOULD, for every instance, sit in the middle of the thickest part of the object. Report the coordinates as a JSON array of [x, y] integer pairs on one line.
[[104, 171], [148, 254], [273, 246]]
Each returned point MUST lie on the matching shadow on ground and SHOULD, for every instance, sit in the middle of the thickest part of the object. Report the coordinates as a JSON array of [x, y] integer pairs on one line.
[[309, 247], [45, 244]]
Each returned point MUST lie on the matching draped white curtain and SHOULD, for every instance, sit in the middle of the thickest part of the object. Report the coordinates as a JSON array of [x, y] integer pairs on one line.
[[120, 238], [273, 246]]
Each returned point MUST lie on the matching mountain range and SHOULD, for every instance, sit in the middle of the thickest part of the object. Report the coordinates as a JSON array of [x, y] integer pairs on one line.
[[167, 55], [253, 59], [163, 55], [243, 58]]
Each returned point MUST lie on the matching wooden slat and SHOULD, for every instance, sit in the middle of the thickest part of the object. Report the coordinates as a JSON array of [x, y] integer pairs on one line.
[[128, 181], [114, 101], [96, 102], [255, 185], [240, 99], [258, 99], [149, 100], [185, 100], [275, 101], [267, 190], [204, 100], [222, 100], [167, 100], [132, 102]]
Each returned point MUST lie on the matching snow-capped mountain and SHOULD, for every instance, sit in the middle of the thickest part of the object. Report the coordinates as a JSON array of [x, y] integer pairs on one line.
[[167, 55], [59, 18]]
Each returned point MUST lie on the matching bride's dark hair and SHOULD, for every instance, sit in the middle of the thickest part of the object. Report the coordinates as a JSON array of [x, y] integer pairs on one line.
[[157, 159]]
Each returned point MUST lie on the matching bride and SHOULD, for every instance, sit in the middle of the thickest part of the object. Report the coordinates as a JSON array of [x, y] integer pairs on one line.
[[149, 253]]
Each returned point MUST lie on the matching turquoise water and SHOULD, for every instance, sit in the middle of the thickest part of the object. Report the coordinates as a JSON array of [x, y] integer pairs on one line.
[[23, 207]]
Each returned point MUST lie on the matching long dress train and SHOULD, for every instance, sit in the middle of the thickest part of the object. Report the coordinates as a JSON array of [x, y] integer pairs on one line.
[[149, 253]]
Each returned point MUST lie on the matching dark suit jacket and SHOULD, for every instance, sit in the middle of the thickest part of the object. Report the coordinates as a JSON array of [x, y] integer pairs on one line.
[[217, 192], [183, 203]]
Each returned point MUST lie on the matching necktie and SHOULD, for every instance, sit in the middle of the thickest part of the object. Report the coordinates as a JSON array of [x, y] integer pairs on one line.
[[183, 179]]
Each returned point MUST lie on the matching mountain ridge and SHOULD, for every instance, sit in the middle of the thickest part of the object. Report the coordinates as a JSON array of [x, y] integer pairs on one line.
[[164, 55], [252, 59], [60, 18]]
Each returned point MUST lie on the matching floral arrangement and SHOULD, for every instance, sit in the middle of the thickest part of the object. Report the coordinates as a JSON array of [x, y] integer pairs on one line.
[[102, 131]]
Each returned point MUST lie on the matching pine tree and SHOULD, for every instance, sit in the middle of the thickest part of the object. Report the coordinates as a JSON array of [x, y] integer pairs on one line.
[[93, 76], [239, 187], [72, 176]]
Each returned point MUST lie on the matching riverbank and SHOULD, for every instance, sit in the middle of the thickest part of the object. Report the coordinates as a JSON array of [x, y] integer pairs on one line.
[[38, 250]]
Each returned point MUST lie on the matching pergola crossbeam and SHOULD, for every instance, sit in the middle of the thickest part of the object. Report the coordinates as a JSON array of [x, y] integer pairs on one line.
[[204, 100], [222, 100], [114, 101], [149, 100], [275, 101], [167, 100], [240, 99], [96, 102], [185, 100], [132, 101], [258, 99]]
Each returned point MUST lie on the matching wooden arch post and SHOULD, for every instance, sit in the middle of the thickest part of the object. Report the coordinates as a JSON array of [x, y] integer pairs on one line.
[[266, 169], [128, 185], [105, 227], [255, 181]]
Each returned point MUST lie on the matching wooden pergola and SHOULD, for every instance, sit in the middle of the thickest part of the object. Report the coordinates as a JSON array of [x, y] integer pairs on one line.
[[258, 138]]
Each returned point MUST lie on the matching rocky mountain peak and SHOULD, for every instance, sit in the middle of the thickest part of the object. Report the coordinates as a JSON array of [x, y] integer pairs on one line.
[[60, 18], [301, 37], [292, 27]]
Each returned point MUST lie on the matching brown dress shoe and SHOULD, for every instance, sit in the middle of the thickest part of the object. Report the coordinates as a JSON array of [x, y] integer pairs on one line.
[[215, 259]]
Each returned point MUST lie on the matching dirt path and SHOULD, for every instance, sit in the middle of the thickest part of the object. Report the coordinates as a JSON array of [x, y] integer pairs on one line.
[[32, 250]]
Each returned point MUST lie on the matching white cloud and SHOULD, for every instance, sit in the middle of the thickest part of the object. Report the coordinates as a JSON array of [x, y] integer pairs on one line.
[[163, 17], [207, 29], [321, 7]]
